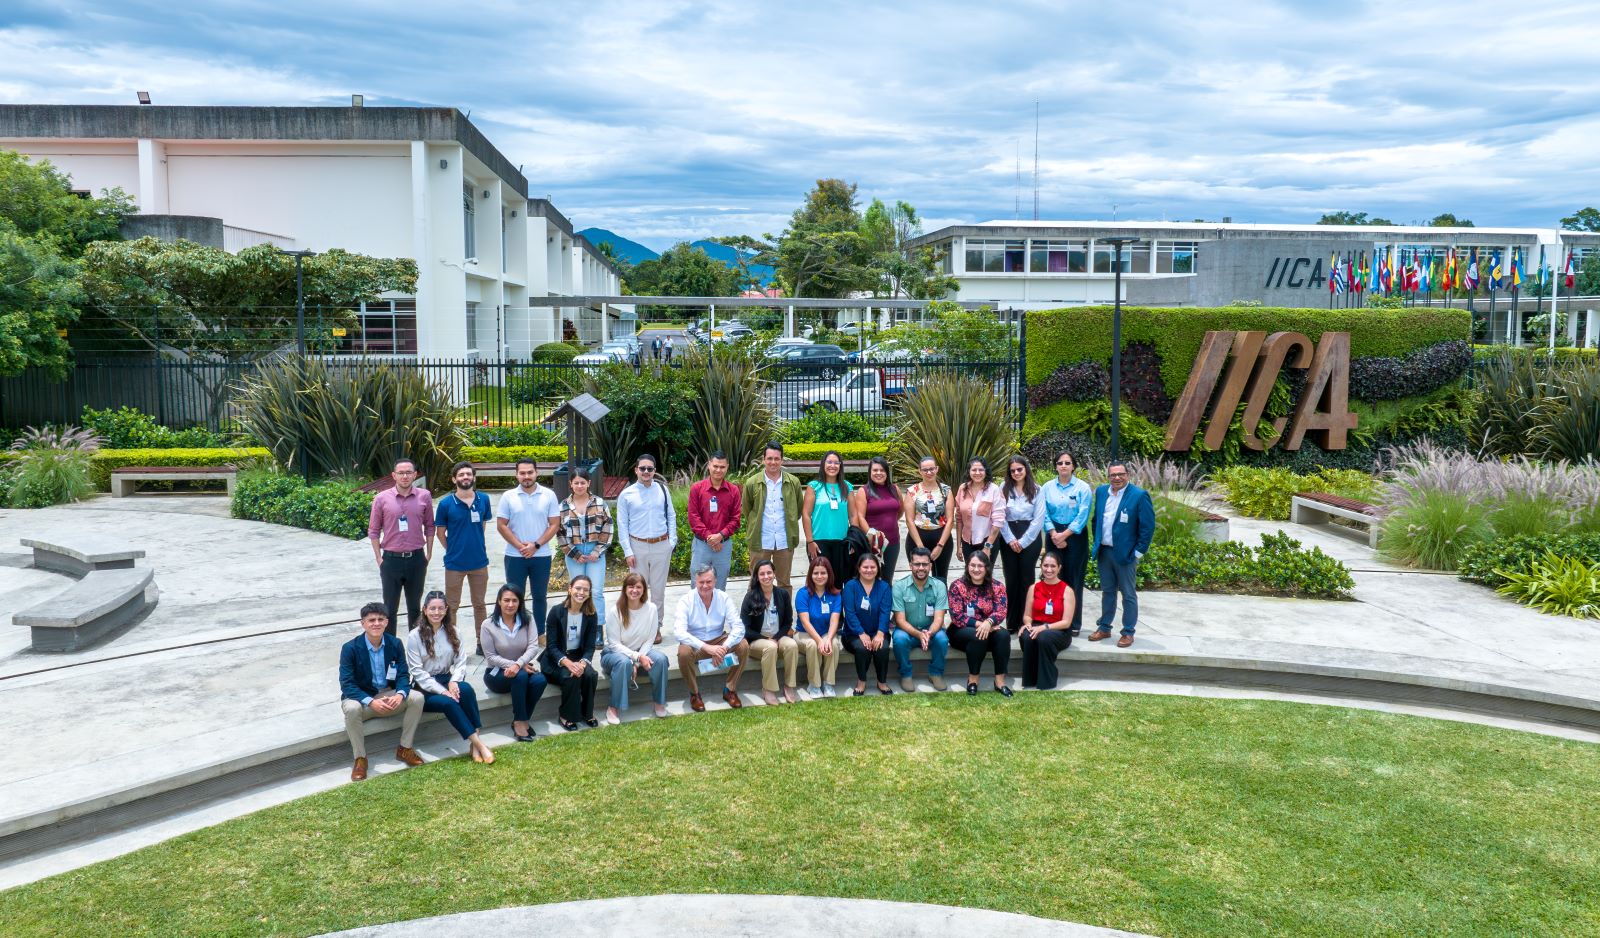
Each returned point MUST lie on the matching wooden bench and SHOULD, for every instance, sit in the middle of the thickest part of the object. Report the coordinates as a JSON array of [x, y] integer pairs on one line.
[[84, 555], [1320, 507], [125, 480], [807, 468]]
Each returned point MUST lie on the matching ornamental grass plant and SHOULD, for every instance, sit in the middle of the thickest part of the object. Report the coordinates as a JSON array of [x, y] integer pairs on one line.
[[51, 467], [953, 419], [1558, 585]]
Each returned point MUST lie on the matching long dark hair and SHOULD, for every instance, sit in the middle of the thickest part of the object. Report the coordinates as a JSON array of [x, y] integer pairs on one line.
[[832, 585], [1030, 488], [588, 604], [522, 606], [966, 484], [754, 600], [822, 467], [988, 570], [888, 477], [448, 625]]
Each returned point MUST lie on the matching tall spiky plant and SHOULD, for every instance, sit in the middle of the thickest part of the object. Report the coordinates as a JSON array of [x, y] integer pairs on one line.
[[732, 414], [953, 419], [351, 420]]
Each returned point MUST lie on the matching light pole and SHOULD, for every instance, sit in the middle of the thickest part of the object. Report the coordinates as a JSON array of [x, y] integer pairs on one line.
[[1116, 347], [300, 337]]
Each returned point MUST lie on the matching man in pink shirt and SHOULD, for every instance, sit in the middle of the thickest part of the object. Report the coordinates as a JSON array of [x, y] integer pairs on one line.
[[714, 517], [401, 531]]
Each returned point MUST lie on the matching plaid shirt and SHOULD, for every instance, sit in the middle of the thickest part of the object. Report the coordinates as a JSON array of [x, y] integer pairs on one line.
[[591, 526]]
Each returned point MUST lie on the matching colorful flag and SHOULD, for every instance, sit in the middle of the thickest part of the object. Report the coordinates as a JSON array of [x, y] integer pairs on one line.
[[1497, 274], [1570, 275], [1333, 275], [1543, 271], [1516, 268], [1351, 283], [1385, 277], [1472, 271], [1366, 273], [1450, 270], [1413, 274]]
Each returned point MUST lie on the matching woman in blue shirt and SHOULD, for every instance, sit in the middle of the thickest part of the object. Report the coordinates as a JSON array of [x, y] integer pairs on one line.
[[1067, 500], [825, 512], [867, 601], [817, 607]]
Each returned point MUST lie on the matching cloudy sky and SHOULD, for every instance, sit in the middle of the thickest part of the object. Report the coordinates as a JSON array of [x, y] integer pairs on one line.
[[668, 120]]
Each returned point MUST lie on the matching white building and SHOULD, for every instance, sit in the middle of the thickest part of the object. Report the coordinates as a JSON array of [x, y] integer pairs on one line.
[[422, 183]]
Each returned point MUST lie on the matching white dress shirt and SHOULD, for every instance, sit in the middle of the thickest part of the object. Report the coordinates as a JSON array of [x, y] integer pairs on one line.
[[640, 513], [699, 626], [424, 666], [774, 530], [1109, 517], [635, 640]]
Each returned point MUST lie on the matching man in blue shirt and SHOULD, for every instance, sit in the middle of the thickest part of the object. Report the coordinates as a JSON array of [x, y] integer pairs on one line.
[[1124, 522], [1067, 500], [458, 524], [374, 682]]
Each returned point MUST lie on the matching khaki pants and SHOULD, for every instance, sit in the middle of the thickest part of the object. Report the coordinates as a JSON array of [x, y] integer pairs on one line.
[[818, 664], [782, 563], [355, 715], [478, 583], [768, 651]]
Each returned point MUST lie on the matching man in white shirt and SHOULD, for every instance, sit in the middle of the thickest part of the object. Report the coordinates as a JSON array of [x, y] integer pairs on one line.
[[771, 507], [647, 526], [709, 629], [527, 517]]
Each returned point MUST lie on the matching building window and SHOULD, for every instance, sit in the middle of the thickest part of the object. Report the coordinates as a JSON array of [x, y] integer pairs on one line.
[[1105, 256], [469, 222], [472, 325], [1176, 257], [1059, 257], [383, 327], [996, 256]]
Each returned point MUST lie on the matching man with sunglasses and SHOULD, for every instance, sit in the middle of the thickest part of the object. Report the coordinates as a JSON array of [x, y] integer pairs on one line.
[[1066, 504], [647, 526], [1124, 522]]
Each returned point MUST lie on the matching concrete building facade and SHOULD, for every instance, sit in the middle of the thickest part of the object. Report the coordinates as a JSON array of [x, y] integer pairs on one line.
[[422, 183]]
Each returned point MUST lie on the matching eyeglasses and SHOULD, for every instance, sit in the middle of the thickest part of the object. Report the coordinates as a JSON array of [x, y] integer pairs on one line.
[[647, 469], [928, 469], [1064, 462]]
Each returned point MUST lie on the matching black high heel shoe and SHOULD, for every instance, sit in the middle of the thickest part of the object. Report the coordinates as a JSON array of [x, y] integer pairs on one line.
[[568, 725], [591, 722]]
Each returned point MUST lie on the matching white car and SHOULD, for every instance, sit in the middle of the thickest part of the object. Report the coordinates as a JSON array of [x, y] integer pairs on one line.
[[605, 355], [861, 390]]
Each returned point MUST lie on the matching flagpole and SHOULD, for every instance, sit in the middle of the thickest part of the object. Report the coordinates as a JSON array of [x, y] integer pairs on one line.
[[1552, 295]]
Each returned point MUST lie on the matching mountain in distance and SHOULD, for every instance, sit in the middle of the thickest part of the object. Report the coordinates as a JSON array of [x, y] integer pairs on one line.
[[633, 252]]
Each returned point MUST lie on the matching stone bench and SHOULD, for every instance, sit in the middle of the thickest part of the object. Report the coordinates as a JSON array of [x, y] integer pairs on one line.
[[1320, 507], [100, 603], [807, 468], [83, 555], [125, 480]]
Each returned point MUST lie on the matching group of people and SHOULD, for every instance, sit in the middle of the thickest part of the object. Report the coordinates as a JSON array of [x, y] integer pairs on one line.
[[1041, 537]]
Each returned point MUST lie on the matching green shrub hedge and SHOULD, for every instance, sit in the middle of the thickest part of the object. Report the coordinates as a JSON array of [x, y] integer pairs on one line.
[[1279, 567], [332, 507], [482, 454], [1489, 561], [131, 428], [1059, 336], [105, 460], [1265, 493]]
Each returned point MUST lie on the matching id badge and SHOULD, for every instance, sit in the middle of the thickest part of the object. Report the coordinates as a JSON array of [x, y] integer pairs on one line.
[[476, 518], [833, 502], [404, 525], [389, 674], [866, 605], [972, 611], [928, 610], [1122, 517], [1049, 607], [712, 507]]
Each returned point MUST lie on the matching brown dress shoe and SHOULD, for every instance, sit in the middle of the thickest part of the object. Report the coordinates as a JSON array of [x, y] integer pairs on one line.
[[1125, 641], [360, 771], [731, 698], [697, 703], [1100, 635], [408, 756]]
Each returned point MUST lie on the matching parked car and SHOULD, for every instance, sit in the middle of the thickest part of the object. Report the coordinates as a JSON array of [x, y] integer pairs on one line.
[[627, 350], [863, 390], [826, 360], [604, 355]]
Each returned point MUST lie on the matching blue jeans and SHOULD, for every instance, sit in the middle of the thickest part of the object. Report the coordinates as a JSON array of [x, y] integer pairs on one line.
[[530, 576], [1116, 578], [700, 554], [938, 647], [462, 714], [619, 668], [525, 689], [595, 570]]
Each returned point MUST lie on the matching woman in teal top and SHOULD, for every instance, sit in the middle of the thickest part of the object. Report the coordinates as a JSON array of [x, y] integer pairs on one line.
[[825, 514]]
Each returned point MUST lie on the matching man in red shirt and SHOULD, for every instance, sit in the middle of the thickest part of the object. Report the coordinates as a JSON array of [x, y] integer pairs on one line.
[[713, 517], [401, 531]]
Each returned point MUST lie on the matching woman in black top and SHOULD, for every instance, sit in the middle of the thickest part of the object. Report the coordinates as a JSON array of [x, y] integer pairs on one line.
[[572, 630], [768, 616]]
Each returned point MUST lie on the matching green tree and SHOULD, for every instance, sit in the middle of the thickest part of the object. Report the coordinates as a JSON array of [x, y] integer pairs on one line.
[[821, 253], [1351, 218], [1587, 281], [954, 334], [210, 306], [896, 268], [44, 228], [1449, 220], [747, 250], [1584, 219], [683, 270]]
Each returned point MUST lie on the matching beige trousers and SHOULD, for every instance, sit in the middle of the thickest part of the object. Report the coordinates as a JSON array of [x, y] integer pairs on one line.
[[355, 714], [478, 582], [767, 651], [818, 664], [782, 563]]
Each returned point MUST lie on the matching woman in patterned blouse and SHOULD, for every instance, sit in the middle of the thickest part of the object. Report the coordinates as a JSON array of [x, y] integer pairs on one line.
[[978, 622]]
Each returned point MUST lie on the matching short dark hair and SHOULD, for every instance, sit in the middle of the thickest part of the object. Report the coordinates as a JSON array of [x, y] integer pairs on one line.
[[405, 460], [773, 445], [374, 608], [717, 454], [463, 464], [920, 552], [643, 456], [525, 459]]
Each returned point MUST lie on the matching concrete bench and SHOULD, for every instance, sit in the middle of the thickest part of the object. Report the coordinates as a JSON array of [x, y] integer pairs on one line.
[[807, 468], [83, 555], [100, 603], [124, 481], [1320, 507]]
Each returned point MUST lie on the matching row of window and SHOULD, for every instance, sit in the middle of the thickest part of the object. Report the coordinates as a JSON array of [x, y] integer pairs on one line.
[[1038, 256], [384, 327]]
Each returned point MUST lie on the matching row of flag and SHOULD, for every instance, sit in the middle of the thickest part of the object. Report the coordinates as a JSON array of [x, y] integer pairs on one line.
[[1436, 272]]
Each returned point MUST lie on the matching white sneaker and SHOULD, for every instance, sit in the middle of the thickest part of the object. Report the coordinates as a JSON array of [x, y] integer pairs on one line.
[[828, 691]]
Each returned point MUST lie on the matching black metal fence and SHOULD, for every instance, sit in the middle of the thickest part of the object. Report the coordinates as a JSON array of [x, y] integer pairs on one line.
[[181, 394]]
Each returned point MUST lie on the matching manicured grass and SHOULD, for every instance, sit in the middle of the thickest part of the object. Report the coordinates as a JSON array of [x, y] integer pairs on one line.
[[1167, 815]]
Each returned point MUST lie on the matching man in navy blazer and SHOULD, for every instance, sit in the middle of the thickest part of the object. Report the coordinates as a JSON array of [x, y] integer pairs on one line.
[[375, 682], [1124, 521]]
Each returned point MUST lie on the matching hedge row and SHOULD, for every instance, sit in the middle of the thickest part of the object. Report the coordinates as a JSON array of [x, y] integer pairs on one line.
[[1059, 336], [332, 507], [105, 460]]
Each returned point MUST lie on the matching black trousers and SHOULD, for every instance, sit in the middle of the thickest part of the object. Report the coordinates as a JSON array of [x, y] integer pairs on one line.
[[835, 552], [1074, 567], [879, 660], [1039, 658], [891, 553], [403, 573], [998, 645], [1020, 570], [577, 693]]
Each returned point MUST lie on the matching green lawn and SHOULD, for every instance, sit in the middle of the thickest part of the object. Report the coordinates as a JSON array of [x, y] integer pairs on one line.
[[1167, 815]]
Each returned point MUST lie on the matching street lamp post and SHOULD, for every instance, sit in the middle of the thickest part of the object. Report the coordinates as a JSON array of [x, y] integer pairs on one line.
[[1116, 347]]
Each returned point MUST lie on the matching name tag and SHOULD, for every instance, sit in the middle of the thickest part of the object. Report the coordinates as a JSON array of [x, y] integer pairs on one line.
[[404, 524], [712, 507], [1049, 607], [972, 611], [826, 609], [928, 610], [476, 518], [1122, 517], [389, 674], [833, 502], [865, 604]]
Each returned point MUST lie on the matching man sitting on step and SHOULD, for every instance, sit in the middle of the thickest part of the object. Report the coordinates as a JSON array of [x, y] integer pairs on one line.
[[375, 682]]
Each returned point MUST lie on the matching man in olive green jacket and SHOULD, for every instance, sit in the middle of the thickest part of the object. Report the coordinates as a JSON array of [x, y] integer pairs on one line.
[[771, 508]]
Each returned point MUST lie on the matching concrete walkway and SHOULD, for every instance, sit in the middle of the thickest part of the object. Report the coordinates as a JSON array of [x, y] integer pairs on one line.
[[734, 917], [236, 669]]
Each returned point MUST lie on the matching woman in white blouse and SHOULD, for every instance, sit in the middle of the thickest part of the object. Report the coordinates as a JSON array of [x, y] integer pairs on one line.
[[1024, 522], [438, 665], [630, 653]]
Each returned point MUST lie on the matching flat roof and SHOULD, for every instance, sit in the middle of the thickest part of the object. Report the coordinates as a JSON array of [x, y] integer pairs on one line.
[[184, 122], [1179, 230]]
